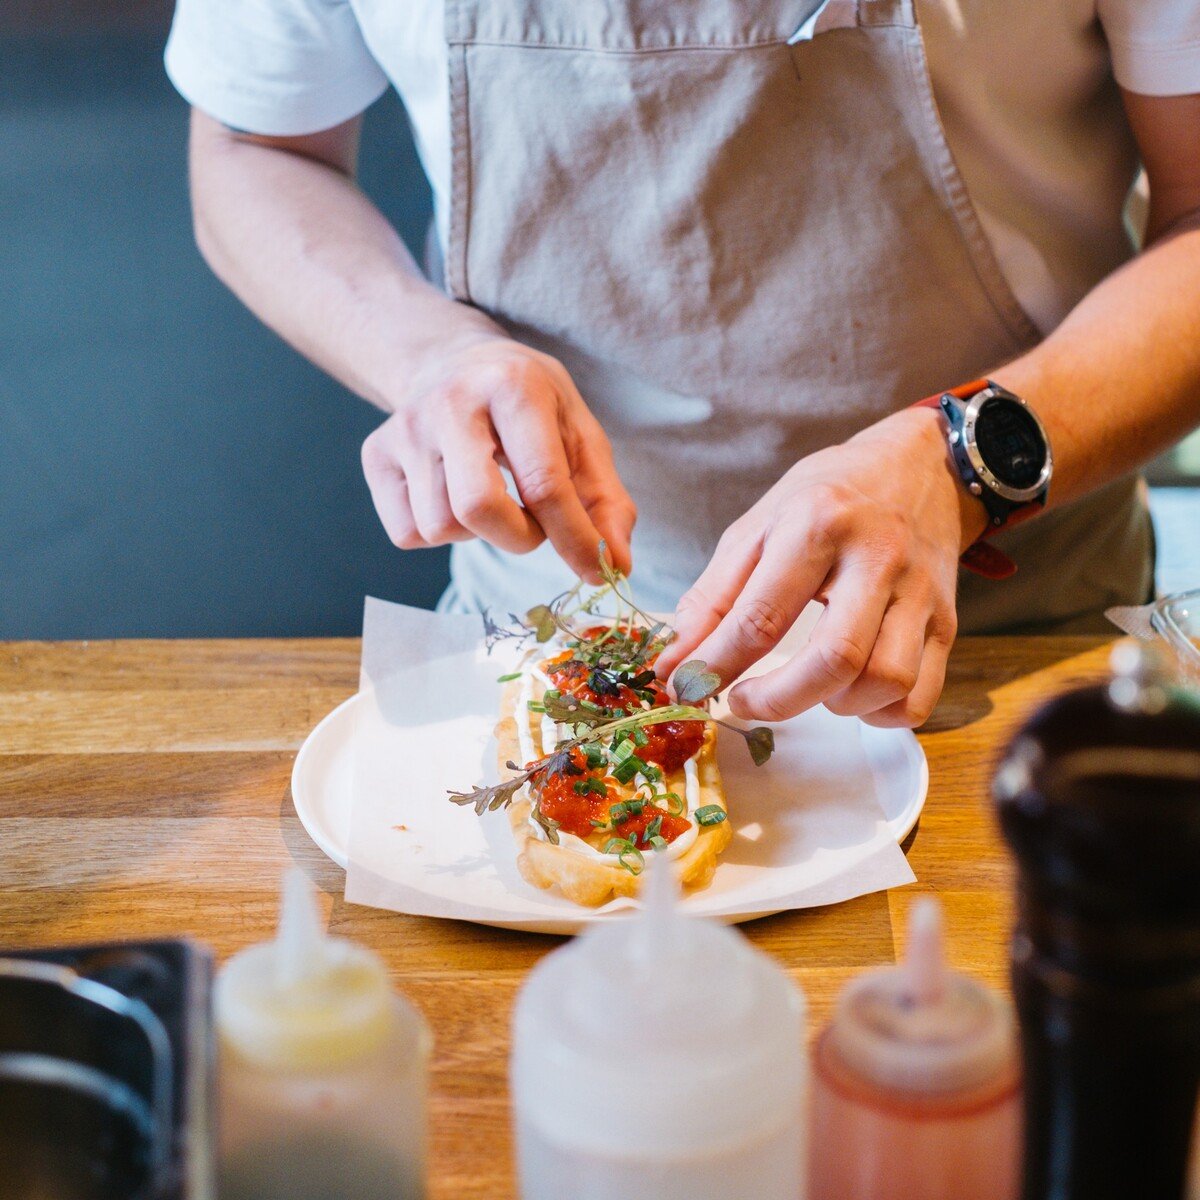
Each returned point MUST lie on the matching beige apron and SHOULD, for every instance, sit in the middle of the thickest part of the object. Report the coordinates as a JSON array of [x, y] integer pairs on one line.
[[744, 249]]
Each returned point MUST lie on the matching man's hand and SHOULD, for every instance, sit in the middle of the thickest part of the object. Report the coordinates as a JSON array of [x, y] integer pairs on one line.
[[873, 529], [335, 279], [433, 466]]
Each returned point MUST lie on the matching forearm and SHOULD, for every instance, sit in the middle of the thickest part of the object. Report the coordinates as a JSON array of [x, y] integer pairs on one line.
[[308, 253], [1119, 380]]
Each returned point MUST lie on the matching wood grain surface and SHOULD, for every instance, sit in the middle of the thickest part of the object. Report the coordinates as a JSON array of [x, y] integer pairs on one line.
[[144, 792]]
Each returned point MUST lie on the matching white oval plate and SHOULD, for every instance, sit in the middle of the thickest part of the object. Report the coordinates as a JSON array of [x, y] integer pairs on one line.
[[323, 776]]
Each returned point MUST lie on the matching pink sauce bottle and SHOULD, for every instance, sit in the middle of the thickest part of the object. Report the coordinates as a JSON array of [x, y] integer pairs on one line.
[[915, 1084]]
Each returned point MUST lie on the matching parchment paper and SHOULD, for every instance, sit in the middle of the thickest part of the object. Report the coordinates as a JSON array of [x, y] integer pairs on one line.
[[808, 828]]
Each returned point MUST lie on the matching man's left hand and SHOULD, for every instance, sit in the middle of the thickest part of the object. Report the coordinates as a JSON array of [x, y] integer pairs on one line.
[[873, 529]]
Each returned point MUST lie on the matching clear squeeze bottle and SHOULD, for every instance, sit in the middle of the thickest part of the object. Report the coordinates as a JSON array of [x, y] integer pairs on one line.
[[659, 1058], [915, 1084], [323, 1069], [1099, 797]]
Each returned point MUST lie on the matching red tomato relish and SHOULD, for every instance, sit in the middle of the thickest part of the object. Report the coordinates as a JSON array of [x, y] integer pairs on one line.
[[672, 743], [576, 810], [634, 827], [668, 745]]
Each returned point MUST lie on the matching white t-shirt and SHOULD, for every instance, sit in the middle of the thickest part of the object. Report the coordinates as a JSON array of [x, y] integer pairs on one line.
[[1024, 88]]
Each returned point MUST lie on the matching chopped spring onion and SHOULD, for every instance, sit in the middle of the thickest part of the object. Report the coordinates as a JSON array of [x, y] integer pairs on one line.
[[630, 766], [623, 747], [710, 814], [625, 809], [589, 787], [509, 677], [658, 842], [631, 859], [595, 755]]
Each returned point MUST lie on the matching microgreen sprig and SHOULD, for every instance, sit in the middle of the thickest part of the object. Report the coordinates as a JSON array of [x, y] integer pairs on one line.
[[566, 709], [760, 742]]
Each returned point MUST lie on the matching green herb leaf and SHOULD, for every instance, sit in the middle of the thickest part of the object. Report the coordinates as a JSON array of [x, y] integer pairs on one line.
[[711, 814], [488, 799], [694, 682], [540, 618], [548, 825], [761, 741]]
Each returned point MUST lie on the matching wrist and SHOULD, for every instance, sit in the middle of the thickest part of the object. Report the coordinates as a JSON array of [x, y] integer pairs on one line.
[[926, 430], [447, 333]]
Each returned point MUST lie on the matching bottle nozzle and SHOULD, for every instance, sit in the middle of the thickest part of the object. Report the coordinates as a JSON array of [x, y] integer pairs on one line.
[[924, 955], [660, 893], [300, 938]]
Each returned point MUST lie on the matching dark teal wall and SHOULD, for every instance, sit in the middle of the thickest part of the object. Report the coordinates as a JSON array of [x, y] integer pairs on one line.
[[167, 466]]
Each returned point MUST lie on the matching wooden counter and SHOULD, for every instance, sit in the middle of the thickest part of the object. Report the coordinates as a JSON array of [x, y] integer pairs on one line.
[[144, 792]]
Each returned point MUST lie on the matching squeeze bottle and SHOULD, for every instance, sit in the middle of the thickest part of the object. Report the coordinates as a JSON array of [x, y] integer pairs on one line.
[[323, 1069], [659, 1058], [916, 1084]]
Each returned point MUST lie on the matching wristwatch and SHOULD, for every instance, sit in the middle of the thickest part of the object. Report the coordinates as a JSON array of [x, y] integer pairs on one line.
[[1002, 454]]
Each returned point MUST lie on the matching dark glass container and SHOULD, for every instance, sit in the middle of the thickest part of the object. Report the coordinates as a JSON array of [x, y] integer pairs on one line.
[[1099, 799]]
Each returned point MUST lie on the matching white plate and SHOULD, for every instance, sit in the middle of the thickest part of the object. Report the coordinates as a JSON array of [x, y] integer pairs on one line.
[[323, 777]]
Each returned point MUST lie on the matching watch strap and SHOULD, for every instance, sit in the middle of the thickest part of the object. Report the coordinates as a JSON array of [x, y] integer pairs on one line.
[[981, 557], [964, 391]]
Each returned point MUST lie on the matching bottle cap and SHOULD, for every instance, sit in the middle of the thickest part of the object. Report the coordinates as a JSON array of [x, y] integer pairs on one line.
[[657, 1034], [303, 1001], [921, 1028]]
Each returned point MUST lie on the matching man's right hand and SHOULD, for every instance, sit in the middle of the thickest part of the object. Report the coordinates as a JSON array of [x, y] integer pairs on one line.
[[336, 281], [434, 466]]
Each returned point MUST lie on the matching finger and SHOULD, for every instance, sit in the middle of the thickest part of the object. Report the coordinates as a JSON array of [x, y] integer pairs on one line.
[[701, 608], [604, 497], [533, 446], [478, 498], [389, 494], [916, 707], [779, 587], [892, 671], [389, 490], [429, 499], [833, 657]]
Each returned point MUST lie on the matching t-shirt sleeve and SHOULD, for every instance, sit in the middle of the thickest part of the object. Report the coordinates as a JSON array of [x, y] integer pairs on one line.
[[274, 67], [1155, 44]]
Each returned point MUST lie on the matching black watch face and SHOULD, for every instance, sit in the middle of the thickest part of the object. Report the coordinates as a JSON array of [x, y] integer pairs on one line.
[[1010, 442]]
